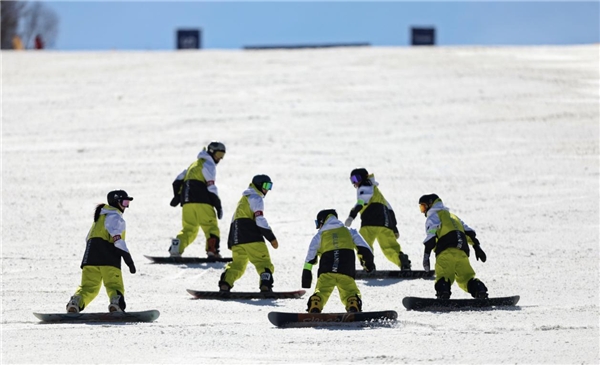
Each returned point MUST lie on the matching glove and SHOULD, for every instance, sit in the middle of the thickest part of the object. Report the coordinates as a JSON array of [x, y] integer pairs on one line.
[[479, 254], [275, 244], [306, 278], [219, 212], [128, 261], [397, 235], [348, 221], [426, 264], [175, 201]]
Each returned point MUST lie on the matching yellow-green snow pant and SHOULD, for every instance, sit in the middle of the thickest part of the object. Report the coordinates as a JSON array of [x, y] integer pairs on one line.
[[255, 252], [92, 278], [329, 281], [451, 264], [387, 242], [193, 217]]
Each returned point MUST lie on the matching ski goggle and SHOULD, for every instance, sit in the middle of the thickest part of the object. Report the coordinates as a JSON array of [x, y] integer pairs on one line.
[[219, 154], [317, 223], [355, 179], [125, 203], [267, 185], [423, 207]]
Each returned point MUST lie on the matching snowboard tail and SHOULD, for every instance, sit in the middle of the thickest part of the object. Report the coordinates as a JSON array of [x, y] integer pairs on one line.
[[144, 316], [431, 304], [245, 295], [281, 319], [186, 260], [395, 274]]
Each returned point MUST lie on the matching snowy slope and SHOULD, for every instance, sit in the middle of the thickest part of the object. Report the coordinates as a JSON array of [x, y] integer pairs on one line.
[[507, 136]]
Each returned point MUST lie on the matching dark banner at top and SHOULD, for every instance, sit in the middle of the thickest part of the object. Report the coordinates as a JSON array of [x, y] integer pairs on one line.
[[423, 36], [189, 39]]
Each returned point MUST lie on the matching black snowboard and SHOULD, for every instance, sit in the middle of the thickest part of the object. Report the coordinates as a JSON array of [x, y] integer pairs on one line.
[[395, 274], [281, 319], [431, 304], [144, 316], [245, 295], [186, 260]]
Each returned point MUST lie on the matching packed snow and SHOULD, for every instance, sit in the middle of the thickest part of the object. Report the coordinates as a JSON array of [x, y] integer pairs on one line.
[[508, 137]]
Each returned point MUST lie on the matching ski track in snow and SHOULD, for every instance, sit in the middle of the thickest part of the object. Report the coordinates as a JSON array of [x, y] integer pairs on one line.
[[507, 136]]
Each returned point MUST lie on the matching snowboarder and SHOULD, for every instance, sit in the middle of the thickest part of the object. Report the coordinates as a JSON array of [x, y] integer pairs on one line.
[[102, 259], [335, 245], [450, 238], [246, 233], [378, 220], [195, 190]]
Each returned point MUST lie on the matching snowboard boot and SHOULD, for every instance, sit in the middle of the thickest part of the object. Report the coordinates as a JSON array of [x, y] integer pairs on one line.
[[314, 304], [117, 303], [174, 249], [224, 286], [404, 262], [477, 289], [266, 281], [74, 305], [212, 247], [442, 289], [354, 304]]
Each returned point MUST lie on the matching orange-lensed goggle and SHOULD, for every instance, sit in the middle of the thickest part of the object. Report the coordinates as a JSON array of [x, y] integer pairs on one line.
[[423, 207], [219, 154]]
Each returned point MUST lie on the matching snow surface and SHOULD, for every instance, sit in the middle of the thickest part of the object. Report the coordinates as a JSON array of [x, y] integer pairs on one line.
[[507, 136]]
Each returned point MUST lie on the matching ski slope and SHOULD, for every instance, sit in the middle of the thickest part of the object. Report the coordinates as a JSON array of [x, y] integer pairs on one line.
[[508, 137]]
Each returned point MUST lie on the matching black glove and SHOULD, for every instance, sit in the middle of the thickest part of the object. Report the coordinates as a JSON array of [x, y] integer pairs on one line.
[[479, 254], [128, 260], [175, 201], [219, 212], [306, 278]]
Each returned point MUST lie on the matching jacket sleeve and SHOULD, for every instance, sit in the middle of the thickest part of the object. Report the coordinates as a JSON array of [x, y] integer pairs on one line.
[[363, 196], [364, 252], [257, 206]]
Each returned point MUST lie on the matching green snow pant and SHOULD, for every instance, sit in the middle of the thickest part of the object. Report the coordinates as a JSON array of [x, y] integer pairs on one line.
[[193, 217], [92, 278], [453, 264]]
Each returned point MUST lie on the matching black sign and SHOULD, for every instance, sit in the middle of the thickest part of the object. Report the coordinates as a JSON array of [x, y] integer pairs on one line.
[[423, 36], [189, 39]]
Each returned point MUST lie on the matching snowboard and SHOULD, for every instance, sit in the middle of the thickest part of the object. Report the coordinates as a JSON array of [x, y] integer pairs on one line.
[[281, 319], [245, 295], [144, 316], [432, 304], [395, 274], [186, 260]]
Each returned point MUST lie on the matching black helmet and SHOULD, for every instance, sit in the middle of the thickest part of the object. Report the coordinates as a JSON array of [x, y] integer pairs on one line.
[[117, 196], [262, 182], [426, 201], [359, 176], [213, 148], [322, 216]]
